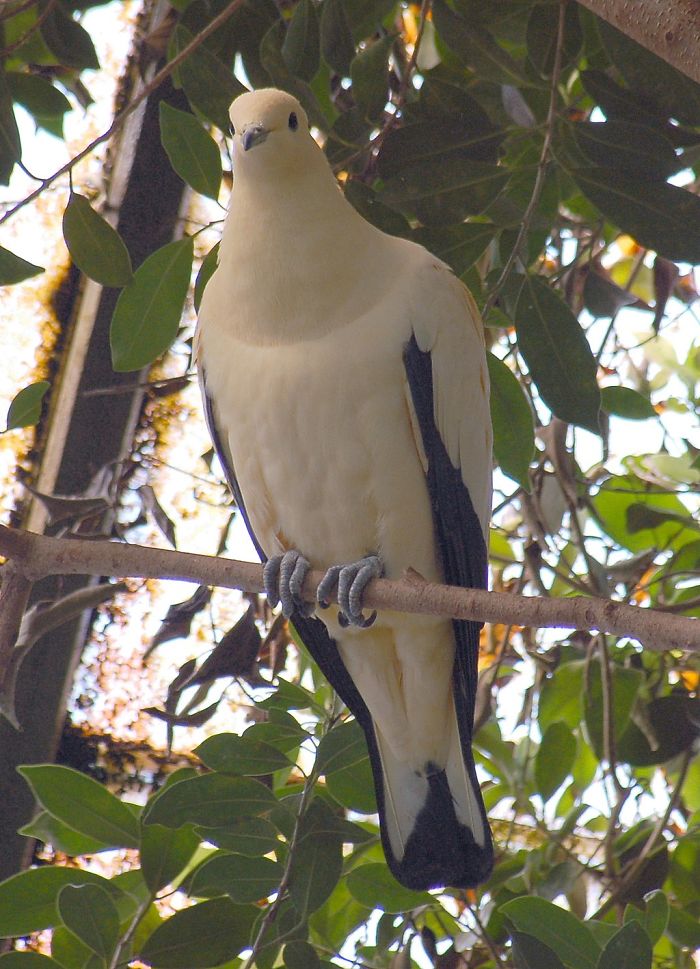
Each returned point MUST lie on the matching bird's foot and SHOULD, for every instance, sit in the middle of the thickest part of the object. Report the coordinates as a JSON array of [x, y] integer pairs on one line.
[[352, 581], [283, 576]]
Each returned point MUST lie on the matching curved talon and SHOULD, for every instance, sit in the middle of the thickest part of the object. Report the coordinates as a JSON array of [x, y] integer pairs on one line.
[[326, 586], [271, 578], [352, 581], [283, 577]]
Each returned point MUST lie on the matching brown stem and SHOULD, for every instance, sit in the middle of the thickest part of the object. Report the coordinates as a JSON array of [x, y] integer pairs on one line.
[[630, 874], [541, 169], [40, 555]]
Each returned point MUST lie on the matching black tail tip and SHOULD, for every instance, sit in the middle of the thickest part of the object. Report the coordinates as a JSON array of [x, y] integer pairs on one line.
[[441, 852]]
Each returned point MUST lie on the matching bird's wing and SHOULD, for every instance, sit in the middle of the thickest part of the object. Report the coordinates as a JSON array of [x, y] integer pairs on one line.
[[312, 631], [448, 384]]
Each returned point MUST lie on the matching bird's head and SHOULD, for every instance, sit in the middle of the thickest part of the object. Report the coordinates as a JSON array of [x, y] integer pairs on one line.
[[270, 131]]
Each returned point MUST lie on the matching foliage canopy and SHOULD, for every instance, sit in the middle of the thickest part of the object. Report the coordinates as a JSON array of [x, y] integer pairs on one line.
[[553, 163]]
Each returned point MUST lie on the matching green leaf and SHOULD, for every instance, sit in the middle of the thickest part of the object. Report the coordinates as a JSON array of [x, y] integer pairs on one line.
[[231, 754], [28, 960], [342, 747], [615, 100], [211, 800], [25, 408], [147, 315], [659, 216], [374, 886], [244, 836], [513, 425], [626, 684], [530, 953], [433, 142], [370, 77], [95, 247], [683, 929], [672, 725], [458, 245], [243, 879], [164, 853], [13, 269], [557, 354], [209, 85], [367, 203], [459, 187], [40, 98], [51, 831], [289, 696], [317, 860], [300, 955], [90, 914], [476, 47], [630, 948], [562, 696], [554, 759], [204, 935], [559, 930], [542, 32], [602, 297], [10, 147], [337, 45], [628, 147], [68, 40], [647, 74], [656, 915], [83, 804], [206, 271], [193, 153], [626, 402], [301, 48], [28, 900], [69, 951], [281, 730], [611, 505]]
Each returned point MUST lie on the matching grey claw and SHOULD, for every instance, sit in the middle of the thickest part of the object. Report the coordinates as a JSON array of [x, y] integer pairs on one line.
[[352, 581], [326, 586], [283, 576], [271, 578]]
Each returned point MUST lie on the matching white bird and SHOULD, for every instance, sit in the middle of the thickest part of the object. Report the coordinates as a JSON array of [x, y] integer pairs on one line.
[[346, 390]]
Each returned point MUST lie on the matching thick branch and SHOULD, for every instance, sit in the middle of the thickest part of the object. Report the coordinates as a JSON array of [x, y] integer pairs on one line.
[[39, 555], [668, 28]]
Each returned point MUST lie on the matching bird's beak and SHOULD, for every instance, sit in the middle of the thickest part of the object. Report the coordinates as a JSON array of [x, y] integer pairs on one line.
[[253, 134]]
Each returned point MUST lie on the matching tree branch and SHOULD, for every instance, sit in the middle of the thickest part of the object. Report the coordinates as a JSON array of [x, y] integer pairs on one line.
[[668, 28], [36, 556]]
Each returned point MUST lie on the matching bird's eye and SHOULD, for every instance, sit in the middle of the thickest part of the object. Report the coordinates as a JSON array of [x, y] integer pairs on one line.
[[231, 128], [293, 121]]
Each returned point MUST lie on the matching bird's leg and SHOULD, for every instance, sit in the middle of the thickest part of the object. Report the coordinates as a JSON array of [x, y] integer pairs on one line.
[[351, 579], [283, 576]]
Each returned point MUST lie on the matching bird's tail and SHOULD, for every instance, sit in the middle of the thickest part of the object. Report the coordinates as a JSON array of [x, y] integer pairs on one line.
[[433, 821]]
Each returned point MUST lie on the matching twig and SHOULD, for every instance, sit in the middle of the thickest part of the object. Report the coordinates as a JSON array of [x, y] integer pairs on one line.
[[272, 909], [28, 33], [631, 873], [121, 117], [541, 169], [36, 556], [16, 8]]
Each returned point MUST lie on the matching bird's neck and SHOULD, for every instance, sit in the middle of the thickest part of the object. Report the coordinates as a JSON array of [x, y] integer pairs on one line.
[[292, 249]]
